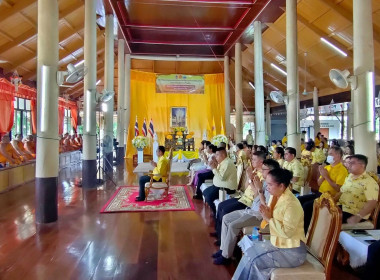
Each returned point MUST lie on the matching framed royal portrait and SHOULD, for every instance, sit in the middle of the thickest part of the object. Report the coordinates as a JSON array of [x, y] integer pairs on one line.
[[178, 116]]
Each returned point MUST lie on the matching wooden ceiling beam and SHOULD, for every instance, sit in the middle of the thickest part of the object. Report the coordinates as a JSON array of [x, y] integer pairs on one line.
[[28, 20], [19, 6], [322, 34], [31, 33], [348, 16]]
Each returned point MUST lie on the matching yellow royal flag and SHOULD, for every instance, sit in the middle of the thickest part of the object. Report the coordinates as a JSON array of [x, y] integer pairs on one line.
[[213, 129], [221, 127]]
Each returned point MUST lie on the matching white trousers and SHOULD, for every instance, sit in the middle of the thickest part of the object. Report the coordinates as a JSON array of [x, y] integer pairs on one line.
[[232, 224]]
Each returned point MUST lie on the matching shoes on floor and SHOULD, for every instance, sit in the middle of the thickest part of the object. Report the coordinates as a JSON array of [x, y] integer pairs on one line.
[[221, 260], [213, 234], [217, 243], [217, 254], [197, 197], [139, 198]]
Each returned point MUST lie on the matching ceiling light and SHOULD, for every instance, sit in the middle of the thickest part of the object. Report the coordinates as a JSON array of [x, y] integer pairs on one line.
[[333, 47], [79, 63], [278, 69], [250, 83], [98, 82]]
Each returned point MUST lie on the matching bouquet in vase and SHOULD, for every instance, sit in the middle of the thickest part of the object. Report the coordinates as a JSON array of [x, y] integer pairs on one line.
[[140, 142], [216, 140]]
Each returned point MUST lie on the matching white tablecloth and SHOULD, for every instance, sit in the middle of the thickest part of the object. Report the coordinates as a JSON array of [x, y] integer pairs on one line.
[[356, 246], [144, 167]]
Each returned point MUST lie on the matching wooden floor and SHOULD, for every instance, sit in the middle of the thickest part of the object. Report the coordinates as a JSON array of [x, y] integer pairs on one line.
[[85, 244]]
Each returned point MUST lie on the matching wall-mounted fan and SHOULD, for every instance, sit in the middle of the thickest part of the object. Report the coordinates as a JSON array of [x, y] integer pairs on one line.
[[342, 79], [278, 97], [73, 74], [105, 96]]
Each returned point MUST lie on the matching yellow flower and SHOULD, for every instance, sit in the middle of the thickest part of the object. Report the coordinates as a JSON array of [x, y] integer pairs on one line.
[[189, 136], [179, 133], [191, 133], [169, 137]]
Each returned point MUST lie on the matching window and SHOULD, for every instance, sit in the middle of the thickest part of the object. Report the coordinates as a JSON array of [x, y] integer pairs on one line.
[[67, 122], [22, 117]]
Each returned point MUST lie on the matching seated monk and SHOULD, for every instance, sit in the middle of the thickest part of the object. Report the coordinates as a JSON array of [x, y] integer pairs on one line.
[[66, 143], [74, 143], [8, 153], [19, 147], [30, 146], [79, 140]]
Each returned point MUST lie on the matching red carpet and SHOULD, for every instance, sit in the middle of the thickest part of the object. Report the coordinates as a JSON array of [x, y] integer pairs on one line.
[[123, 200]]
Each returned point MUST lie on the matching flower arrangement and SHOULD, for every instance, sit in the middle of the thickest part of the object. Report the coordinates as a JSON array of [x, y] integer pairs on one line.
[[179, 129], [189, 136], [179, 133], [140, 142], [216, 140], [169, 137]]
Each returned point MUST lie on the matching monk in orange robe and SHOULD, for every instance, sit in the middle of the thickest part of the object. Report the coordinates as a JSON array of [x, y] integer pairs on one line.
[[8, 153], [19, 147], [30, 146]]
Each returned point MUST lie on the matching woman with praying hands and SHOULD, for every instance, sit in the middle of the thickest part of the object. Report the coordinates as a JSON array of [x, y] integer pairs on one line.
[[286, 247]]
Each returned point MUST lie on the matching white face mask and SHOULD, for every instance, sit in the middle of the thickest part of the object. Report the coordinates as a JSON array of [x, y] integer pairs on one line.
[[330, 159]]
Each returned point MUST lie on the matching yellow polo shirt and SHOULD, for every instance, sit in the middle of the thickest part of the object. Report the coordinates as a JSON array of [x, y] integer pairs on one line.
[[356, 193], [338, 174], [286, 226], [161, 168], [248, 195], [298, 171], [281, 162], [303, 147]]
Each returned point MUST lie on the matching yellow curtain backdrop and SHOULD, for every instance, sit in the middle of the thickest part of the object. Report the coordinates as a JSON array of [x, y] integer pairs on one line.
[[201, 108]]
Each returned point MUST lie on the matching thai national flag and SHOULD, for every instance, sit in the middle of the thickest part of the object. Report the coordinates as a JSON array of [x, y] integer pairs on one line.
[[151, 129], [136, 128], [144, 129]]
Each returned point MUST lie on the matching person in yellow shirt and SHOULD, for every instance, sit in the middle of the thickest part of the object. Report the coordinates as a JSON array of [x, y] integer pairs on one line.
[[295, 166], [284, 215], [318, 139], [302, 144], [278, 155], [359, 194], [318, 155], [284, 140], [160, 170], [331, 179]]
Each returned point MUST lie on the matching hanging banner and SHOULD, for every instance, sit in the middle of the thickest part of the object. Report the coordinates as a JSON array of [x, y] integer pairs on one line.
[[176, 83]]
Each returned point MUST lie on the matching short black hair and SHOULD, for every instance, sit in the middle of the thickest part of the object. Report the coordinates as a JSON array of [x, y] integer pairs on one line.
[[213, 148], [271, 163], [240, 146], [261, 148], [221, 149], [207, 143], [244, 143], [337, 150], [203, 142], [352, 149], [260, 155], [361, 158], [280, 151], [281, 176], [222, 144], [162, 149], [310, 145], [291, 150]]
